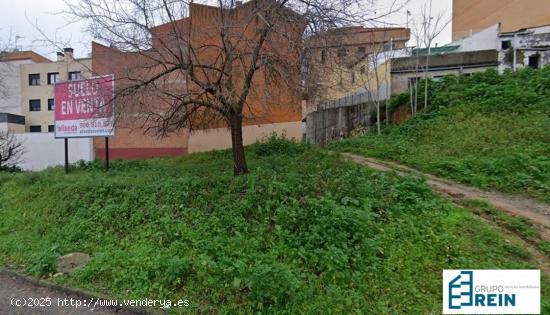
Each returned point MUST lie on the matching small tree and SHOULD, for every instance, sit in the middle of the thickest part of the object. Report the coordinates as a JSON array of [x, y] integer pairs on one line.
[[425, 32], [377, 61], [11, 150]]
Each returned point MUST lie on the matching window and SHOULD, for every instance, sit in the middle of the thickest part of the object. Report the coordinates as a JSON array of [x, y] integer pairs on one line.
[[36, 128], [323, 56], [506, 44], [53, 77], [51, 128], [353, 77], [51, 104], [361, 50], [34, 79], [172, 35], [74, 75], [342, 52], [534, 61], [34, 105]]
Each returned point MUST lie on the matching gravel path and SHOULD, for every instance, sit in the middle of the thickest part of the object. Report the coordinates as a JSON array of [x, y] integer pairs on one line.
[[537, 212], [16, 291]]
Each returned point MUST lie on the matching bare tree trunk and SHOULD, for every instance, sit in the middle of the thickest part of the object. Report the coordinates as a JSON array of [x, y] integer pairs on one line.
[[411, 98], [426, 80], [387, 114], [239, 161], [416, 95], [378, 116], [416, 85]]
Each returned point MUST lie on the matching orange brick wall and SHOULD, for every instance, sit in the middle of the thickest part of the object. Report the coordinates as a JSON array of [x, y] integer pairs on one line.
[[129, 140], [277, 104]]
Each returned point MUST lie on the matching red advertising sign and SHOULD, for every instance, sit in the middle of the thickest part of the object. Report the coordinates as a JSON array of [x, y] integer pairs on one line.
[[84, 108]]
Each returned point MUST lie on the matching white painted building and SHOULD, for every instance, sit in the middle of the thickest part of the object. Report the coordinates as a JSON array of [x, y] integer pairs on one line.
[[529, 47]]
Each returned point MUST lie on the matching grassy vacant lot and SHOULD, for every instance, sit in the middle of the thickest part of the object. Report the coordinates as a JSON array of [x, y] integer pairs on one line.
[[487, 130], [305, 232]]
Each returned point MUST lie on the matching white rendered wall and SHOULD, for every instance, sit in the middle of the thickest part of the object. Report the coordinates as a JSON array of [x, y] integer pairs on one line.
[[42, 150], [484, 40]]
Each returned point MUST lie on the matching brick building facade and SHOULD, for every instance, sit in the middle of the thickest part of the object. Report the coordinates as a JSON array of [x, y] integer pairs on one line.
[[273, 108]]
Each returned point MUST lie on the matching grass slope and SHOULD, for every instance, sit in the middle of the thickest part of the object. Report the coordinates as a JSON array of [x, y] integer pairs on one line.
[[487, 130], [304, 233]]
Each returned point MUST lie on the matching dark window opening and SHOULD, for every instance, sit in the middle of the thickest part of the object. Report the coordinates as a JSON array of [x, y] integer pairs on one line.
[[34, 79], [506, 44], [74, 75], [172, 35], [353, 77], [534, 61], [34, 105], [51, 128], [51, 104], [323, 56], [361, 50], [342, 52], [53, 77], [35, 128]]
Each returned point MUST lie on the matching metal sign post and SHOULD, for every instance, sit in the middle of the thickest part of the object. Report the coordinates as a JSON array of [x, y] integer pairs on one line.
[[107, 153], [66, 155]]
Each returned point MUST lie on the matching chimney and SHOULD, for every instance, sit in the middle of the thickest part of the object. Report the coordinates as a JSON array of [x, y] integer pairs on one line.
[[60, 56], [68, 52]]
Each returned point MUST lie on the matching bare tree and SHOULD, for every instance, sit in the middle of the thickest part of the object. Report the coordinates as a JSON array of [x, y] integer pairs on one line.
[[6, 47], [377, 77], [193, 75], [11, 150], [425, 32]]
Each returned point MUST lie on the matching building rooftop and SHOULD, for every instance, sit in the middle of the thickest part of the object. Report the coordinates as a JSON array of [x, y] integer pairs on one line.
[[22, 55]]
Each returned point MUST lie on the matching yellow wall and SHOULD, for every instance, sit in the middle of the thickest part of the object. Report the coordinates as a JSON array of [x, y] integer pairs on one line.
[[472, 16], [340, 81], [220, 138], [44, 117], [12, 128]]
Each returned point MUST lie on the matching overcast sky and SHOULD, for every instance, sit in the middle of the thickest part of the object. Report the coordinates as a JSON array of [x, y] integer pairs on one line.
[[17, 18]]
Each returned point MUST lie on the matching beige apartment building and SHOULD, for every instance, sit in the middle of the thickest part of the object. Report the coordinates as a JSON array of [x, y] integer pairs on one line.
[[472, 16], [37, 87]]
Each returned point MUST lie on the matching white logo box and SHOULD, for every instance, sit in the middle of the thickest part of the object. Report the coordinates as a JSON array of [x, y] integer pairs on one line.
[[471, 291]]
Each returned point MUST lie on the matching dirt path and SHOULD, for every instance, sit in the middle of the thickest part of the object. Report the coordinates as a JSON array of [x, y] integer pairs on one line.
[[537, 212], [13, 290]]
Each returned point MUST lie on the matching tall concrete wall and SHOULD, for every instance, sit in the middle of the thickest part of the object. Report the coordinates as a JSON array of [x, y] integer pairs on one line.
[[42, 150], [472, 16], [327, 124]]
